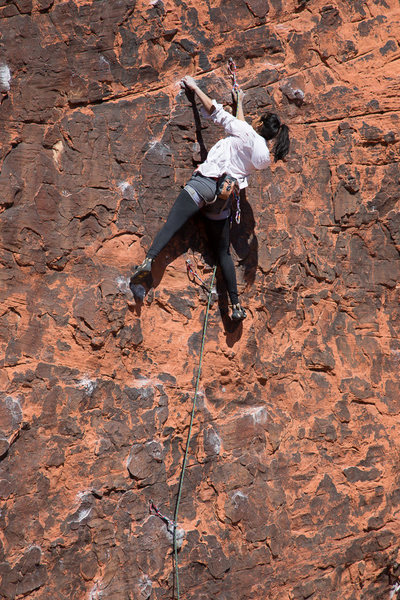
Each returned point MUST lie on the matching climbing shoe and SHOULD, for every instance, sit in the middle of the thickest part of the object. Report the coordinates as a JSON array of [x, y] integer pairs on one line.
[[238, 313], [141, 271]]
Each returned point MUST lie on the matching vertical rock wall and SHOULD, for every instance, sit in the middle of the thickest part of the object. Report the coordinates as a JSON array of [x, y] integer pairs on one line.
[[292, 488]]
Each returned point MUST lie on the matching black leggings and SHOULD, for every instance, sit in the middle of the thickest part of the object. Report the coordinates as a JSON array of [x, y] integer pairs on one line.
[[217, 233], [218, 238]]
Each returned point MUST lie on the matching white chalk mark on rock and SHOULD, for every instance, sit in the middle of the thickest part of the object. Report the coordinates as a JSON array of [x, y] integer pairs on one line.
[[180, 536], [259, 414], [15, 409], [83, 495], [95, 593], [128, 191], [146, 385], [88, 385], [237, 497], [123, 284], [5, 78], [83, 514], [145, 587], [104, 61], [161, 149], [212, 441]]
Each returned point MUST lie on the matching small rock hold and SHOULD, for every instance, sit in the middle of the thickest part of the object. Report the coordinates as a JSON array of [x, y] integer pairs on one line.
[[97, 342], [5, 489], [292, 93], [145, 462], [4, 446]]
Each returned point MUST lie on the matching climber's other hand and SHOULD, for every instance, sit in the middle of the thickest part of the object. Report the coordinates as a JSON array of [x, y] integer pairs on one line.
[[238, 95]]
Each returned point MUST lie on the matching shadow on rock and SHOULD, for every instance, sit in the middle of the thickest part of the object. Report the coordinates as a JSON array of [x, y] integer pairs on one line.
[[244, 240]]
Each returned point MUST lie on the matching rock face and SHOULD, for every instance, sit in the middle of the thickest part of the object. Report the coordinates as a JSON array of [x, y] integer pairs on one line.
[[292, 486]]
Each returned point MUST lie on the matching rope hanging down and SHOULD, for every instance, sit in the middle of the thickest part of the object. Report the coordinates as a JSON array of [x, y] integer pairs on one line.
[[175, 545], [173, 523]]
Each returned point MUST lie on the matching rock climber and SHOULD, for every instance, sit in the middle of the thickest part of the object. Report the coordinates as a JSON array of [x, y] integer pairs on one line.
[[243, 150]]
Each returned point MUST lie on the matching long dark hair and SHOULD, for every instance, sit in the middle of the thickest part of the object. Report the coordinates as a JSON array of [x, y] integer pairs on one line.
[[272, 127]]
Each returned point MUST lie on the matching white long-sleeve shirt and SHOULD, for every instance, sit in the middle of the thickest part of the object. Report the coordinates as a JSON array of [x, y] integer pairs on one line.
[[238, 154]]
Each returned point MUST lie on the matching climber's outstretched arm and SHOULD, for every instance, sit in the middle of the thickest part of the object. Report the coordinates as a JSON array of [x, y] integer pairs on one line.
[[204, 99]]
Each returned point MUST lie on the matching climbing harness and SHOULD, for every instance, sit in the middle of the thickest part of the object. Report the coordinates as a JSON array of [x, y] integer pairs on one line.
[[175, 545]]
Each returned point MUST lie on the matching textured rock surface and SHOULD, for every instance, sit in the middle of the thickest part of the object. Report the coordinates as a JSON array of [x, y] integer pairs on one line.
[[292, 488]]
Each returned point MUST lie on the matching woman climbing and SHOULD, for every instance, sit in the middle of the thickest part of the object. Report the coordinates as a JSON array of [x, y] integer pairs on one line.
[[237, 155]]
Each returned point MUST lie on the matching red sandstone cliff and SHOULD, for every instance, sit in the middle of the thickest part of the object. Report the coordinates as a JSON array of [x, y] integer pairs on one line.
[[292, 489]]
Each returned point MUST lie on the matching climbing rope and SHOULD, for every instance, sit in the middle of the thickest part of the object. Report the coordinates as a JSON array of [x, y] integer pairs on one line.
[[175, 521]]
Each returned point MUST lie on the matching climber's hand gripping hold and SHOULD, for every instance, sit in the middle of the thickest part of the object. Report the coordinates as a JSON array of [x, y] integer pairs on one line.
[[206, 101]]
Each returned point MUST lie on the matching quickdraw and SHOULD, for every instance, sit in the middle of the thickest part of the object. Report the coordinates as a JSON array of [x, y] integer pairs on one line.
[[153, 510], [238, 212], [232, 72], [192, 274]]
